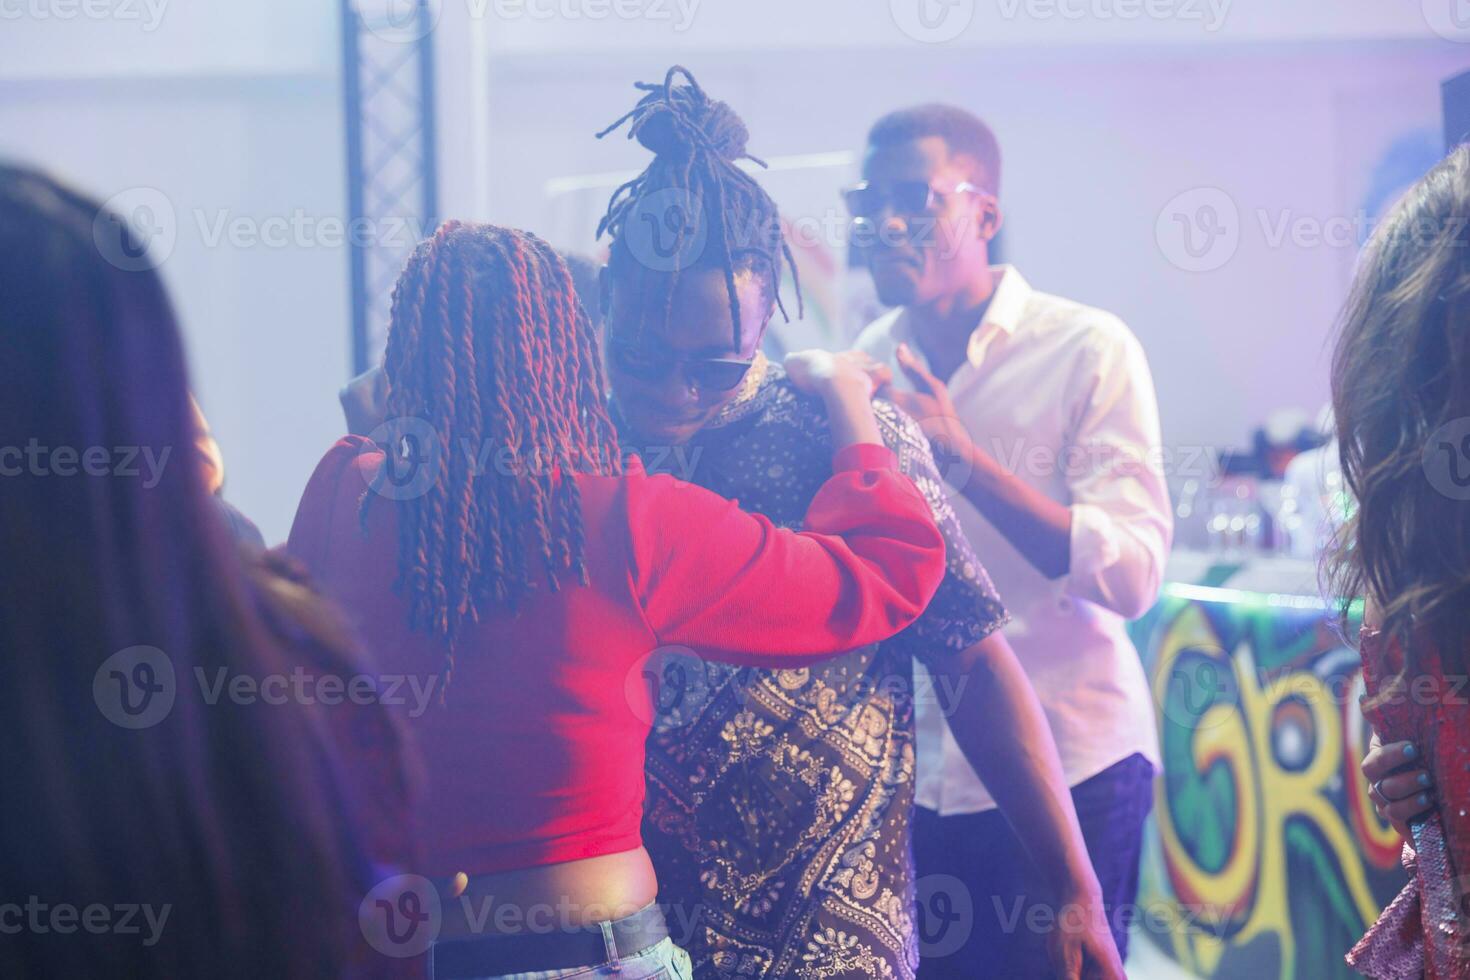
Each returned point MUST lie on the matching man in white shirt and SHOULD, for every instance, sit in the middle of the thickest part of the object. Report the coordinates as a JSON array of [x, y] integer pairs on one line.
[[1044, 411]]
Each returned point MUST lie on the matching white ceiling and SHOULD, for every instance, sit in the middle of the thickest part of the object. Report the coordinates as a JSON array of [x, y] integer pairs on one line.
[[172, 38], [604, 25]]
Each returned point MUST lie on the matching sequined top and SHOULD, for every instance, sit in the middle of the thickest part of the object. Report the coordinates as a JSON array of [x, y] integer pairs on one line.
[[778, 802], [1423, 932]]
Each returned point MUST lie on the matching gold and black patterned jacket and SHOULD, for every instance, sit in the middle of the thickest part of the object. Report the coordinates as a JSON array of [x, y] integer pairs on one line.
[[778, 802]]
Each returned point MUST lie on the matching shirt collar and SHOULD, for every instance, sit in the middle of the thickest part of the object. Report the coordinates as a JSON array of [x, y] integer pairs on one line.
[[1008, 302], [1004, 313], [1007, 306]]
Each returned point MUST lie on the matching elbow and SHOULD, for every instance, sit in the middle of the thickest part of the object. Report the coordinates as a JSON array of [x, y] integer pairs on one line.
[[1135, 604], [1121, 568], [1128, 596], [1055, 562], [1055, 568], [1140, 593], [901, 590]]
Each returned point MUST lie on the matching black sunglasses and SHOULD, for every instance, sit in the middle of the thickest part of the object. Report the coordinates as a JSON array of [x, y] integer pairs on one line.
[[706, 373], [907, 197]]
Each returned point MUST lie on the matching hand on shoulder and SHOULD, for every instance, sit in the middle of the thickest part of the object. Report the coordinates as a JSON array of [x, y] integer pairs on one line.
[[816, 371]]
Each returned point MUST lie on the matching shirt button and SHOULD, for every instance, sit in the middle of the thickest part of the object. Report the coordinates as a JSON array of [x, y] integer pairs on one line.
[[1064, 605]]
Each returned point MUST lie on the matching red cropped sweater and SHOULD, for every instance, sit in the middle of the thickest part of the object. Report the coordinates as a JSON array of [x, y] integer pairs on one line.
[[536, 754]]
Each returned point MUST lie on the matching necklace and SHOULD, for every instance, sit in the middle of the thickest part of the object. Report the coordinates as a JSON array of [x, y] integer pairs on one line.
[[739, 406]]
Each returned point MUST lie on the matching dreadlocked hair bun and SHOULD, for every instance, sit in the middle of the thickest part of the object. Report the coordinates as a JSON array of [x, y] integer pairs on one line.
[[490, 360], [694, 188], [685, 118]]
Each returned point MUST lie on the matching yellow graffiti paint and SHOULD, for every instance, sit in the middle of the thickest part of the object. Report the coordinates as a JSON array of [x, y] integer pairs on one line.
[[1247, 896]]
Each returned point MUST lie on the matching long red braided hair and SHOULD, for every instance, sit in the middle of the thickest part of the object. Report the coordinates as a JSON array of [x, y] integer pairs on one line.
[[490, 347]]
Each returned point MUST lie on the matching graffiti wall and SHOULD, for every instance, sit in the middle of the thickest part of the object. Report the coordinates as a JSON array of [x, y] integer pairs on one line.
[[1266, 858]]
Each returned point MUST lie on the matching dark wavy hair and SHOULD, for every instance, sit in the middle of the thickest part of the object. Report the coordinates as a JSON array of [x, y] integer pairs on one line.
[[225, 812], [1400, 374], [489, 345]]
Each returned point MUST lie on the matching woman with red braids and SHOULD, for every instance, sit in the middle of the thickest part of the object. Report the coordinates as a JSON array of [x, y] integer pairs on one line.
[[498, 553]]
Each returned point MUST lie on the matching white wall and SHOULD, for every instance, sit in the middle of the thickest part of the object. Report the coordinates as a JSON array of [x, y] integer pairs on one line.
[[227, 111]]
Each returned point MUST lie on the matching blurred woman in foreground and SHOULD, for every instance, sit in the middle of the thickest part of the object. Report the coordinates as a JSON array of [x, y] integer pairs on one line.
[[156, 822], [1401, 392]]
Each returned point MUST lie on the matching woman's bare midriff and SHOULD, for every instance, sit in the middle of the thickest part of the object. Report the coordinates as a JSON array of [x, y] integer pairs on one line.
[[551, 898]]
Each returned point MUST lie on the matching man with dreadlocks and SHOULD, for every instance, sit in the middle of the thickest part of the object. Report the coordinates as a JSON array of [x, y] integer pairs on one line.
[[779, 801], [491, 538]]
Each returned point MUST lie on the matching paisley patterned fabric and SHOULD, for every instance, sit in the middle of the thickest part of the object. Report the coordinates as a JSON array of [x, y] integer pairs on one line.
[[779, 802]]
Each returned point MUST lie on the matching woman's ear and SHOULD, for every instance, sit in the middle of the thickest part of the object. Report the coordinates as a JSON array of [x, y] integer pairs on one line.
[[604, 290]]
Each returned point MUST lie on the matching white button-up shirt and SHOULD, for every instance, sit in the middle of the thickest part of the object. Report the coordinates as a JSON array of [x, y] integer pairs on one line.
[[1061, 395]]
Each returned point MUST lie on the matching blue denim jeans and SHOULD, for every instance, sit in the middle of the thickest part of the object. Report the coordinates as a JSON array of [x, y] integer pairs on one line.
[[661, 961]]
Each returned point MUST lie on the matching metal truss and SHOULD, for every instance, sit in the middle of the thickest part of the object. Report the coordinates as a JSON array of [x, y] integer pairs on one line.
[[392, 187]]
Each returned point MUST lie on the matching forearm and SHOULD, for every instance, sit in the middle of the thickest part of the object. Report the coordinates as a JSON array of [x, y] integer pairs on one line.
[[1035, 525], [850, 412], [1001, 728]]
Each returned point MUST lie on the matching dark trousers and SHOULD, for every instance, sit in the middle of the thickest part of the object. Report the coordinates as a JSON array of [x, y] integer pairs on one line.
[[1010, 917]]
